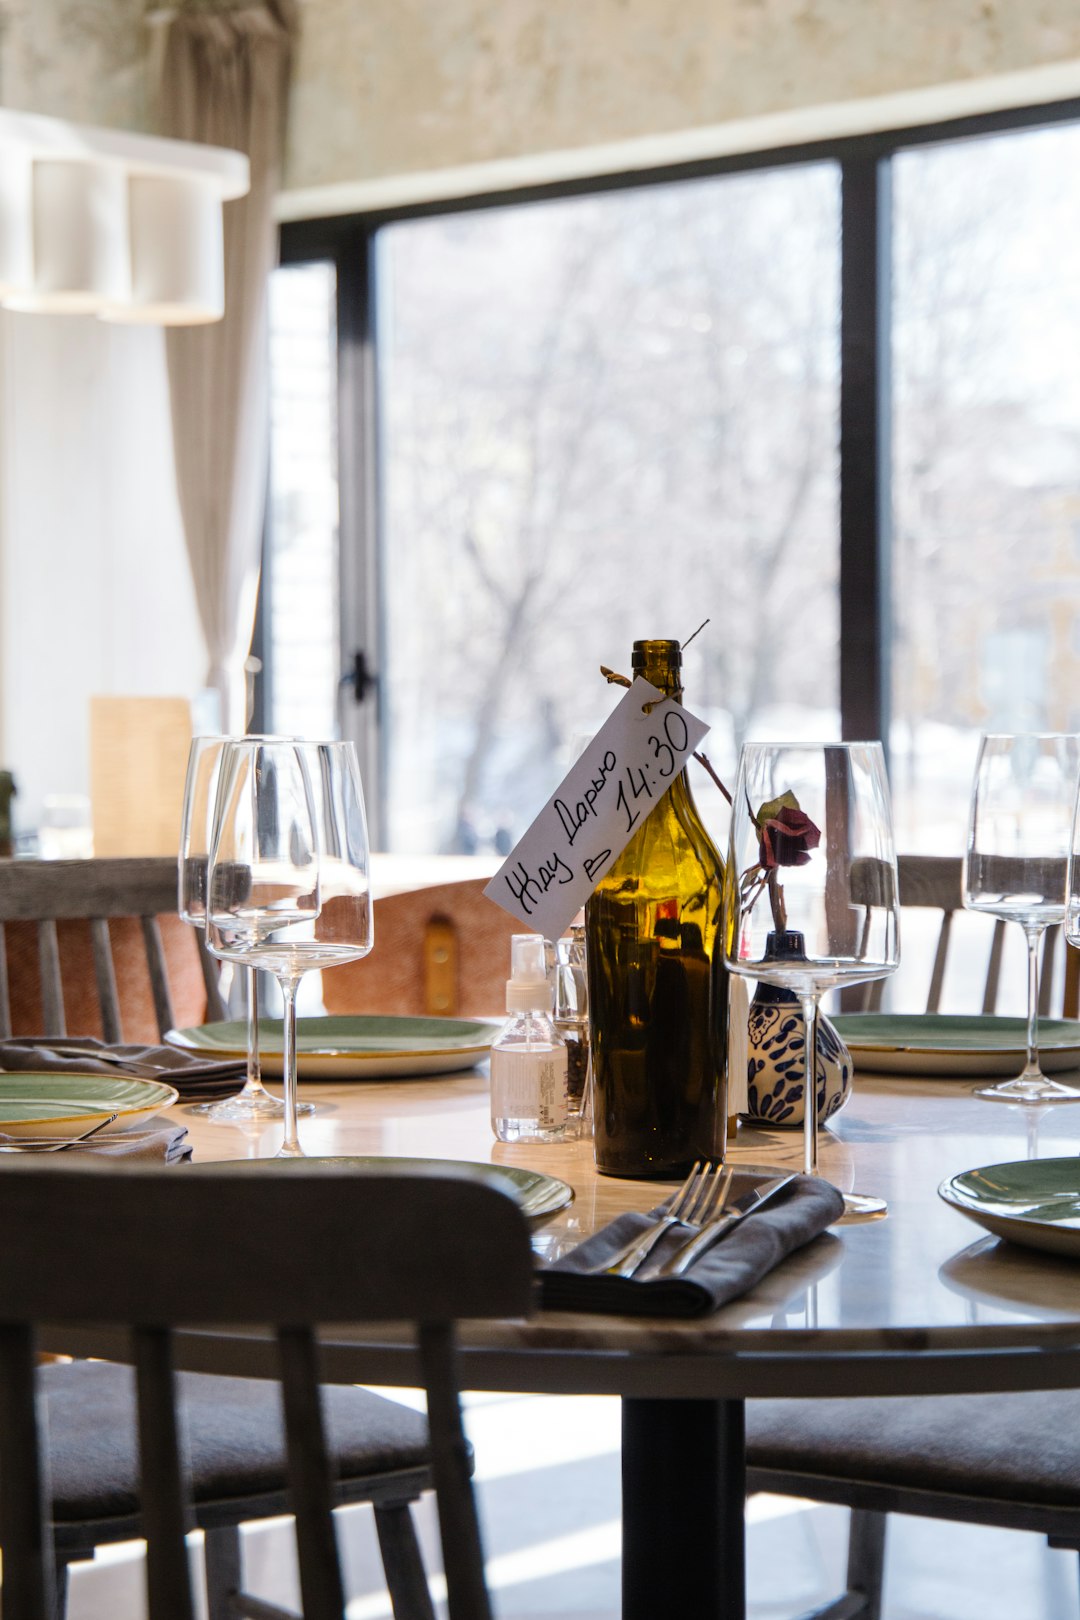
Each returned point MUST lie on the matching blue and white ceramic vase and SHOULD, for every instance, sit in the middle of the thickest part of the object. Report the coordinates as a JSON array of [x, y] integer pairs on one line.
[[776, 1064]]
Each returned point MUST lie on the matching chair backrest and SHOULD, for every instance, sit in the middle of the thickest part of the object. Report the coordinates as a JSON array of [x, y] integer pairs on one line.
[[308, 1244], [440, 951], [95, 947], [936, 881]]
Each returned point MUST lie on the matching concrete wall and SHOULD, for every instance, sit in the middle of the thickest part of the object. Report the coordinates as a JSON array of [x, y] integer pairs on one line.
[[390, 89], [387, 89]]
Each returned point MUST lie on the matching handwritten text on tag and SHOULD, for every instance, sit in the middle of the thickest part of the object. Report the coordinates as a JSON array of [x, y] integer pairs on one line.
[[601, 802]]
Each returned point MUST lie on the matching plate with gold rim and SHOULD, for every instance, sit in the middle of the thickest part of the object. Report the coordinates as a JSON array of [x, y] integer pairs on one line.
[[360, 1046], [950, 1044], [51, 1104], [537, 1195], [1034, 1202]]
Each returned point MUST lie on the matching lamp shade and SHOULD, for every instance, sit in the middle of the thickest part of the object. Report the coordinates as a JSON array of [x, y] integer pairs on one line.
[[103, 222], [16, 222], [177, 256], [80, 246]]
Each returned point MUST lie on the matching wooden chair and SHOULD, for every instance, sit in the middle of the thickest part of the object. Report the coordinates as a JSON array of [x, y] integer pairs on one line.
[[935, 882], [95, 947], [306, 1246], [1004, 1460], [440, 951]]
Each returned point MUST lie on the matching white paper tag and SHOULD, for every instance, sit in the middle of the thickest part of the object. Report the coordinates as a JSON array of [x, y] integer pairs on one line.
[[601, 802]]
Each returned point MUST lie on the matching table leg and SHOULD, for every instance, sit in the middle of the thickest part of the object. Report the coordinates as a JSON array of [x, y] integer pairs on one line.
[[684, 1494]]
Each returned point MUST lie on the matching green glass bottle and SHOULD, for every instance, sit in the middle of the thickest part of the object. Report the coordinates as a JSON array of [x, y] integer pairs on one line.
[[658, 1003]]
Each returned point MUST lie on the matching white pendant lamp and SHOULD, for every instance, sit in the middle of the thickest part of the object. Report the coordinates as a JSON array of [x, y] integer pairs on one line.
[[127, 227], [81, 260], [16, 222], [177, 262]]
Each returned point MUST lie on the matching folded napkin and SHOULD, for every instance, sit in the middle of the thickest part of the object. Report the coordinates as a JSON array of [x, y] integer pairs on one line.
[[196, 1079], [168, 1143], [731, 1267]]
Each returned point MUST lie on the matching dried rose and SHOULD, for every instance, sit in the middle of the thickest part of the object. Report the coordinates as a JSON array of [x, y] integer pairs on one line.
[[786, 833]]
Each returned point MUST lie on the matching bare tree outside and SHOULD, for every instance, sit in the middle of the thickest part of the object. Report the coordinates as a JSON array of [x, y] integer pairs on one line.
[[603, 419], [987, 462]]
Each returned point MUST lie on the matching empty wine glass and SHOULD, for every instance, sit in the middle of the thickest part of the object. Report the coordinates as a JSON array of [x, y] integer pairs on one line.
[[1020, 834], [253, 1104], [811, 900], [288, 876]]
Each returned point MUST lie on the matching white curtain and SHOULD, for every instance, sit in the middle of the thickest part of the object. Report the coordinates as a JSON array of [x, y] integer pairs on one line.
[[223, 77]]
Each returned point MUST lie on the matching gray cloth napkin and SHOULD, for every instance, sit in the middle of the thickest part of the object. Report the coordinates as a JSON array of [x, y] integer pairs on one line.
[[196, 1079], [730, 1268], [161, 1143]]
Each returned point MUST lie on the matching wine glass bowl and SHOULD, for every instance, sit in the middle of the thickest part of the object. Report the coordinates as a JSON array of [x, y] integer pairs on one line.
[[288, 887], [1016, 865], [811, 898], [253, 1104]]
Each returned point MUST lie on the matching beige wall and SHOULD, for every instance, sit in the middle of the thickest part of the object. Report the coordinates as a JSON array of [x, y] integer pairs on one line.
[[77, 59], [389, 87], [403, 97]]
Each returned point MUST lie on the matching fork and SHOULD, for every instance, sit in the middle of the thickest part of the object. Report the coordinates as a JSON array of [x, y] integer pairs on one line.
[[48, 1144], [692, 1205]]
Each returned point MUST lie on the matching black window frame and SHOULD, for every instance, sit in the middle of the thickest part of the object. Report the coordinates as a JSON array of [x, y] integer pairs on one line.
[[865, 505]]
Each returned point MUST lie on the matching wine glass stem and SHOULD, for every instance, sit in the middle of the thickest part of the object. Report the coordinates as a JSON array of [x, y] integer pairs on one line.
[[1033, 933], [809, 1002], [290, 1147], [253, 1084]]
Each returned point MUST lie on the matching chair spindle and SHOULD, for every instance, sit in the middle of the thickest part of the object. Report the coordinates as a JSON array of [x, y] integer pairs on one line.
[[105, 977], [162, 1478], [311, 1497]]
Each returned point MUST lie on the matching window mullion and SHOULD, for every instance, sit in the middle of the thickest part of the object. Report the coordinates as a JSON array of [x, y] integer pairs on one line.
[[865, 448], [358, 510]]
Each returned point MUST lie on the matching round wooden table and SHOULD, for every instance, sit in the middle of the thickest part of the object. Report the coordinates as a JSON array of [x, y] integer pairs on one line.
[[921, 1302]]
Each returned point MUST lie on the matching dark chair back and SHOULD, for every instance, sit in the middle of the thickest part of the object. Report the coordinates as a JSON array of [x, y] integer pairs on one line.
[[97, 929], [936, 882], [308, 1244]]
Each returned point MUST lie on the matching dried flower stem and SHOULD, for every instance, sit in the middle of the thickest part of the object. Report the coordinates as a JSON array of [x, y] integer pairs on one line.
[[776, 901], [703, 759]]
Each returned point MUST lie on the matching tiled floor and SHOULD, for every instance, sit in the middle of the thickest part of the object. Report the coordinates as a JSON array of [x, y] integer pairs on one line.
[[547, 1472]]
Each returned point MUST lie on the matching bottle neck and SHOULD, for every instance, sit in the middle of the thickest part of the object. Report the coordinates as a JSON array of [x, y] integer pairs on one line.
[[659, 663]]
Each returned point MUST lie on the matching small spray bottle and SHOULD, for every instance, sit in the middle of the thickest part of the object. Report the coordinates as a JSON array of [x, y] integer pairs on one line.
[[529, 1077]]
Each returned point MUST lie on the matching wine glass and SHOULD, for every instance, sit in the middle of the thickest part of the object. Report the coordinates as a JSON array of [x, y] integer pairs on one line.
[[1016, 865], [811, 898], [288, 875], [254, 1103]]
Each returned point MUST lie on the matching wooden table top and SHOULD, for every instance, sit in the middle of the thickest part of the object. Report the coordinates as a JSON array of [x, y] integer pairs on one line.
[[921, 1301]]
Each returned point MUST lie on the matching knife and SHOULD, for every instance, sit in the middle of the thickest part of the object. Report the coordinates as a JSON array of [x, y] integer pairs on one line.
[[710, 1234]]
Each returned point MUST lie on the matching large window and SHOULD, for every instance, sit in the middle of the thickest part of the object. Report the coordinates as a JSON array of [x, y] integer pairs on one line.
[[986, 331], [601, 418], [300, 577], [580, 419]]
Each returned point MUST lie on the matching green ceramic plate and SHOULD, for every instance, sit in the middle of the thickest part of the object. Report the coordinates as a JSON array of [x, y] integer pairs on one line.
[[941, 1044], [538, 1195], [361, 1046], [34, 1104], [1035, 1202]]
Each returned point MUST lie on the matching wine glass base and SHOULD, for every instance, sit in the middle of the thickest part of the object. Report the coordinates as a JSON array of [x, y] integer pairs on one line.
[[1035, 1093], [287, 1152], [247, 1108], [862, 1207]]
